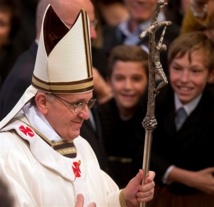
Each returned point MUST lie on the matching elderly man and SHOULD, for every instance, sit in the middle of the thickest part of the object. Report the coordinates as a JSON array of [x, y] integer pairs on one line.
[[42, 156], [20, 76]]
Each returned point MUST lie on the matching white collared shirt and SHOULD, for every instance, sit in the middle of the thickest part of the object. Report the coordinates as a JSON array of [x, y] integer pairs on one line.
[[132, 38], [189, 107]]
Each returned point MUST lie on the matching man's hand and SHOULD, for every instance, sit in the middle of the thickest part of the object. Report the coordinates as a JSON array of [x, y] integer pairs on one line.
[[135, 192], [80, 202]]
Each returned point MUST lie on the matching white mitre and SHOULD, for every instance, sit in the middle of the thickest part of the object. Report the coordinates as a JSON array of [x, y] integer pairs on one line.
[[63, 62]]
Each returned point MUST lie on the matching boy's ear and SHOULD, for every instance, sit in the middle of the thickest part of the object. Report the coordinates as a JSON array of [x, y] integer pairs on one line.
[[108, 80], [211, 77]]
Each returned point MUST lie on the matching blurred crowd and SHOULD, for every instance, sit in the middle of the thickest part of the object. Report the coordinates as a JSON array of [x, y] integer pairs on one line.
[[183, 158]]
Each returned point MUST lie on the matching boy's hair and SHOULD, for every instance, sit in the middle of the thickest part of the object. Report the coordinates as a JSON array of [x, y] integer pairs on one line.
[[127, 53], [190, 42]]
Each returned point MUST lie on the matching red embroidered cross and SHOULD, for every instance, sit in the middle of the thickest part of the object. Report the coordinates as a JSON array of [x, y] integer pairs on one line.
[[76, 169], [27, 131]]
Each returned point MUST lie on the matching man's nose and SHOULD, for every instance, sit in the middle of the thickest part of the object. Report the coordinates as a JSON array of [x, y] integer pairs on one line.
[[85, 113]]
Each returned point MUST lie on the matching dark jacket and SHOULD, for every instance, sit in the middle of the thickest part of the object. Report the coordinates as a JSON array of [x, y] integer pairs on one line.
[[123, 141], [191, 147], [17, 80]]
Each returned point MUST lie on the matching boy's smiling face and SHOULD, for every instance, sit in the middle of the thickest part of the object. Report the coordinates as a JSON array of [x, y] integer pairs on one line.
[[189, 75], [128, 83]]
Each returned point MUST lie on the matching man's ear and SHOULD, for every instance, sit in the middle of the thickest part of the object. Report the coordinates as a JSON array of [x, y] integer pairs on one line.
[[41, 102]]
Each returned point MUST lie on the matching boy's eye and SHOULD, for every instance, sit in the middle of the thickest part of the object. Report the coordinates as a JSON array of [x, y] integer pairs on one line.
[[118, 78], [137, 78], [176, 68], [197, 70]]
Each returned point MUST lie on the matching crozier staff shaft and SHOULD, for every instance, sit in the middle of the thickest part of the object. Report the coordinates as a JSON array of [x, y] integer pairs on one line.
[[155, 68]]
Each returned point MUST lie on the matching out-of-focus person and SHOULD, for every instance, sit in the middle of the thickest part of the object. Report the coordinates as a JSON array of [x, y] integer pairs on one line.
[[121, 117], [128, 32], [9, 26], [111, 12], [199, 17]]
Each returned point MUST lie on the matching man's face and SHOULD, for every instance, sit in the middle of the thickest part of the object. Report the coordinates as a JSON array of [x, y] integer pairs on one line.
[[188, 78], [128, 82], [141, 10], [62, 117]]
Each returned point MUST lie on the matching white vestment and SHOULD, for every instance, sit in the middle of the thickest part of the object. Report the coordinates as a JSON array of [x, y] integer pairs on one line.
[[39, 176]]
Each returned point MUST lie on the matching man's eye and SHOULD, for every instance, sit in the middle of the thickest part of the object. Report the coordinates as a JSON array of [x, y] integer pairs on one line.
[[79, 104]]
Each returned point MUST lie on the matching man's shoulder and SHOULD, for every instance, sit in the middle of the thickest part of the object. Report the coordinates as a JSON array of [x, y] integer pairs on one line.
[[9, 141]]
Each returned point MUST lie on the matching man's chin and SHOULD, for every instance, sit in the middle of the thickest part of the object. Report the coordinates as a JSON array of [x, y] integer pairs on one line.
[[74, 134]]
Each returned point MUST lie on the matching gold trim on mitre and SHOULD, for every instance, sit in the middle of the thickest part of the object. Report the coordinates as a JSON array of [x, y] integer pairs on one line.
[[67, 68], [69, 87]]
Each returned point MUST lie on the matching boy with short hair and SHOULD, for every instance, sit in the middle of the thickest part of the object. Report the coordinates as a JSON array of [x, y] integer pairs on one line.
[[182, 150], [121, 117]]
